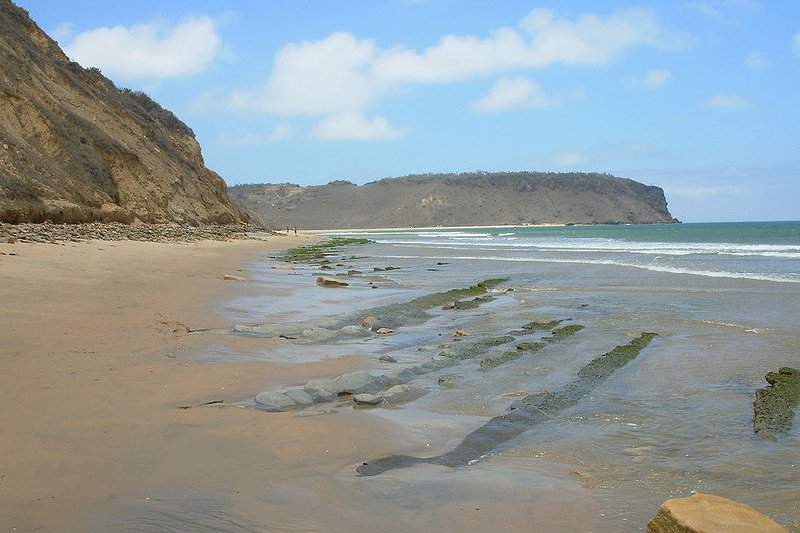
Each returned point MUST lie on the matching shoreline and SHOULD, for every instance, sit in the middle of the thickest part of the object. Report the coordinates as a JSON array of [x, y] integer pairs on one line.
[[98, 363]]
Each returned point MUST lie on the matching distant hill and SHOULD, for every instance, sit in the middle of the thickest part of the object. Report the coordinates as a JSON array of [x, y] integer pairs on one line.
[[75, 148], [479, 198]]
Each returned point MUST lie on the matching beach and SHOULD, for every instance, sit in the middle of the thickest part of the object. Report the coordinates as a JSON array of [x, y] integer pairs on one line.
[[97, 364], [130, 372]]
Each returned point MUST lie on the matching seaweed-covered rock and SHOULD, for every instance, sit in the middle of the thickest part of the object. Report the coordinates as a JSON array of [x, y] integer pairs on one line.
[[531, 346], [563, 332], [492, 360], [541, 326], [774, 406]]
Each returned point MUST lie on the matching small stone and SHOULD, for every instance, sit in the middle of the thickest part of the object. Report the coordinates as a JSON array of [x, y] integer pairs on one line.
[[458, 333], [386, 358], [367, 399], [232, 277], [283, 267], [367, 321], [384, 331], [443, 346], [328, 281]]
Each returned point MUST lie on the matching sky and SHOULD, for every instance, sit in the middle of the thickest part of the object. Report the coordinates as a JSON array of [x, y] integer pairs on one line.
[[699, 97]]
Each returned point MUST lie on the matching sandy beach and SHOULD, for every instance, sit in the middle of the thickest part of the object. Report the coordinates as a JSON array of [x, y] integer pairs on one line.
[[97, 362]]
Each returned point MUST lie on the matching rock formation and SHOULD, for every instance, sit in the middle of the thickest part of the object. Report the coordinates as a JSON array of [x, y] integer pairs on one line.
[[75, 148], [479, 198], [706, 513]]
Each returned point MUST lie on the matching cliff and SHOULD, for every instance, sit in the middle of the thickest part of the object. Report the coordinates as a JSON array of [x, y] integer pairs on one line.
[[480, 198], [75, 148]]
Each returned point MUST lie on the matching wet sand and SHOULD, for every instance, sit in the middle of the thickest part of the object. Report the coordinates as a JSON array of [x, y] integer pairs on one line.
[[97, 364]]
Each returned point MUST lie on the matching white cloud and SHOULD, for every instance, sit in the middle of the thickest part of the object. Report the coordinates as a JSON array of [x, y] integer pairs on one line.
[[727, 101], [652, 79], [341, 77], [541, 40], [354, 126], [756, 61], [514, 93], [148, 51], [796, 42], [317, 77]]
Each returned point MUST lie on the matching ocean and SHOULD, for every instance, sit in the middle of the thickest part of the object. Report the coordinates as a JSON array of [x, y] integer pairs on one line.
[[724, 300]]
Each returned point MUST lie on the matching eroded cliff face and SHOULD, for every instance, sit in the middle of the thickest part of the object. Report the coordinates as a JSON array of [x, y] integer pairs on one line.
[[514, 198], [74, 148]]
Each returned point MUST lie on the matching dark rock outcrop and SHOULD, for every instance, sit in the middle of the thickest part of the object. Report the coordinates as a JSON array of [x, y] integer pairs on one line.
[[773, 409], [75, 148], [514, 198]]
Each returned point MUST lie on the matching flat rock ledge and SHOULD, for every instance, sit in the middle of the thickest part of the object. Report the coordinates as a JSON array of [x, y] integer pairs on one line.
[[53, 233], [706, 513]]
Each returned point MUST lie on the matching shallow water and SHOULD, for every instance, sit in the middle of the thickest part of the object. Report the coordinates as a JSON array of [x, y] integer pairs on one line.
[[675, 420]]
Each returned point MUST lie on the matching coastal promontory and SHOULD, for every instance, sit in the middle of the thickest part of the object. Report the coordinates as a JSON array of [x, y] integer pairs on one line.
[[469, 199]]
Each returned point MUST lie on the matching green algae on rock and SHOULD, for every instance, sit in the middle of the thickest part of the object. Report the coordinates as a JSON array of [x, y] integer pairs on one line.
[[774, 406], [521, 415], [563, 332], [320, 250]]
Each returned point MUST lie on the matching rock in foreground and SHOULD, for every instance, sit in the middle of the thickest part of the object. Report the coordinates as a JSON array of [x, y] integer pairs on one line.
[[706, 513]]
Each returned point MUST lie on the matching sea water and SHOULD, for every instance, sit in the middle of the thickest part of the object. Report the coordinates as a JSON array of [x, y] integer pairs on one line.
[[723, 298]]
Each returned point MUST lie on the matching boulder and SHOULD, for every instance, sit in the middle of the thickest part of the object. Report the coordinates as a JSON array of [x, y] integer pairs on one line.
[[317, 334], [706, 513], [401, 394], [396, 375], [300, 396], [355, 331], [274, 401], [321, 390], [355, 383], [329, 281]]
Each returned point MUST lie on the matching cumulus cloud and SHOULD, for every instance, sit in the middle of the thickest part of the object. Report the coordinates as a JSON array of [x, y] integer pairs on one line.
[[727, 101], [652, 79], [354, 126], [317, 77], [340, 78], [514, 93], [148, 51]]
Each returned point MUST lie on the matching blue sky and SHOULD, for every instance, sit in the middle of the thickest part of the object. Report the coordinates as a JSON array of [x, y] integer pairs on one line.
[[698, 97]]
